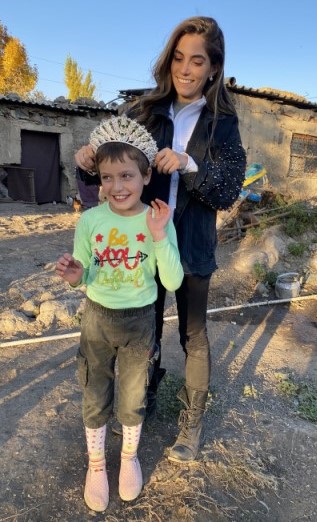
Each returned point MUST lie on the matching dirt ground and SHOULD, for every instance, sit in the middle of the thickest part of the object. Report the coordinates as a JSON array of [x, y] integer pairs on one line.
[[258, 460]]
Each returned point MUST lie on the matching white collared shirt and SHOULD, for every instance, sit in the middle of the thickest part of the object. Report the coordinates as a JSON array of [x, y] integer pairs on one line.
[[184, 124]]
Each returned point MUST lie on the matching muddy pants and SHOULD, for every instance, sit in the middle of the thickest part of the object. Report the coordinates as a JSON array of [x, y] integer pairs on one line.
[[106, 335]]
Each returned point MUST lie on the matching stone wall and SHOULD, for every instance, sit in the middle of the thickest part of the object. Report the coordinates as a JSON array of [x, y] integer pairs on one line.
[[73, 129], [267, 129]]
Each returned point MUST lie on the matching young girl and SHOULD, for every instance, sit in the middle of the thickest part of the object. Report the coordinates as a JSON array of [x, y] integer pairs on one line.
[[200, 168], [118, 247]]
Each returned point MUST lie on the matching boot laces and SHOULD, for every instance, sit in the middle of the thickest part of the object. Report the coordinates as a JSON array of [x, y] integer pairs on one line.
[[187, 422], [183, 423], [182, 420], [189, 418]]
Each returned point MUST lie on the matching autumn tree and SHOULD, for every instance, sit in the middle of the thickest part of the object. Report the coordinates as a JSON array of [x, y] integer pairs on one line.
[[3, 38], [78, 86], [16, 74]]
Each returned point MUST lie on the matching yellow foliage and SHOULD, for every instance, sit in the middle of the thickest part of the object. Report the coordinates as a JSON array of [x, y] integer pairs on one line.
[[77, 85], [17, 75]]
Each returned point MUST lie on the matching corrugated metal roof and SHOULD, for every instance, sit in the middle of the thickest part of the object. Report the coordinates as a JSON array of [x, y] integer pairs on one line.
[[84, 105], [274, 95], [59, 104], [266, 93]]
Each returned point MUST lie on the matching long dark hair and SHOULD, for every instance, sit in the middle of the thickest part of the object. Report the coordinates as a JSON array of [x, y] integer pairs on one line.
[[217, 97]]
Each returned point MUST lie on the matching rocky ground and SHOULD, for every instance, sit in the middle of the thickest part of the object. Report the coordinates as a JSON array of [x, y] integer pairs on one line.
[[258, 460]]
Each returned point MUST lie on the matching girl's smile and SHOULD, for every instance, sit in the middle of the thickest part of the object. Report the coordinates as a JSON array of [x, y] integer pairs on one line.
[[122, 184]]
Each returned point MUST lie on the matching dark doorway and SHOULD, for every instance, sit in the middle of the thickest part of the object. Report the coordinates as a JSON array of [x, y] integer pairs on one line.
[[40, 151]]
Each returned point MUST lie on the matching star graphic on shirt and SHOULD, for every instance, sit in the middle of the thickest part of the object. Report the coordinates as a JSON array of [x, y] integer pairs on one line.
[[140, 237], [99, 238]]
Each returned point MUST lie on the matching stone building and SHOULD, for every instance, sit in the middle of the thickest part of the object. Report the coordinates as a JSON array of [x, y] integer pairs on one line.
[[38, 140], [279, 130]]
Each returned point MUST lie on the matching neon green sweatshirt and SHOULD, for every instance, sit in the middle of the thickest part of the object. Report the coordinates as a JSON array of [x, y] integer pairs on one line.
[[120, 258]]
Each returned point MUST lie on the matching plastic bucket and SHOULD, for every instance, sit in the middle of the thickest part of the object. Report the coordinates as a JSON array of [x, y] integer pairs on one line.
[[287, 285]]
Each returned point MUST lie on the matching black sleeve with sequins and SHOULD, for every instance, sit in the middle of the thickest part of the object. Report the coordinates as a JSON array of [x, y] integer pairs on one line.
[[218, 182]]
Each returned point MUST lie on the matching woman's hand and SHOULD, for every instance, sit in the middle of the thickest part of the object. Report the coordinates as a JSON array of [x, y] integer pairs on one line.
[[157, 218], [69, 269], [85, 158], [167, 161]]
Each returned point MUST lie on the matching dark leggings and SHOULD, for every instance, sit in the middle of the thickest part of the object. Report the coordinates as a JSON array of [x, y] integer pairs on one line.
[[191, 298]]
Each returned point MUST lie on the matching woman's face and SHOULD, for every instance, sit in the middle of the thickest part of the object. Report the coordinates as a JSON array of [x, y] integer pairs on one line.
[[190, 68]]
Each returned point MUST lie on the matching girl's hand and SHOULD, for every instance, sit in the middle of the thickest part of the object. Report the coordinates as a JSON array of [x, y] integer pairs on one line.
[[69, 269], [167, 161], [157, 218], [85, 158]]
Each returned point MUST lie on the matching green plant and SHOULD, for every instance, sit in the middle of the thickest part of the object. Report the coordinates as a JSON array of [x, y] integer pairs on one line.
[[305, 394], [279, 201], [296, 218], [293, 227], [300, 219], [307, 397], [288, 388], [273, 200], [271, 278], [264, 276], [259, 272], [296, 249], [255, 232]]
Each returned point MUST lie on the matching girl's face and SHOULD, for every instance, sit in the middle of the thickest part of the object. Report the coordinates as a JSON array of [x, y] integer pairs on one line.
[[122, 184], [190, 68]]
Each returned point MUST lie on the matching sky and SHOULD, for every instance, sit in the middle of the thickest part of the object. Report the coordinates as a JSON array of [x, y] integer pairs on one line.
[[268, 44]]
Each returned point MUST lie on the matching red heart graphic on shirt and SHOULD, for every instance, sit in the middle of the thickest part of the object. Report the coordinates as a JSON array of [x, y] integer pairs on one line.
[[115, 257]]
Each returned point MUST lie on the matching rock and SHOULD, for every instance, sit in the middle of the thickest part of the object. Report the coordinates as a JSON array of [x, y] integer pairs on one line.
[[262, 289], [266, 252], [312, 263], [30, 308], [51, 413], [62, 311], [247, 258], [311, 280], [18, 293], [46, 296], [12, 322]]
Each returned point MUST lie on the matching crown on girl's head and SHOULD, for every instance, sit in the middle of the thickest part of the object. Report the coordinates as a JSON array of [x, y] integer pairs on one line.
[[124, 130]]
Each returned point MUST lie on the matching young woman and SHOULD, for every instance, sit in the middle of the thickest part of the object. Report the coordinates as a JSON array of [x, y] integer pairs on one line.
[[200, 169]]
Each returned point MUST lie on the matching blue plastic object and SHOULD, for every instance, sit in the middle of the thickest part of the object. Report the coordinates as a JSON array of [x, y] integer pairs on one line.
[[254, 173]]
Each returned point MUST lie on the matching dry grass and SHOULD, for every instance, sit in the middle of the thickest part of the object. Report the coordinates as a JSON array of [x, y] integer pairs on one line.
[[239, 471], [222, 485], [214, 488]]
